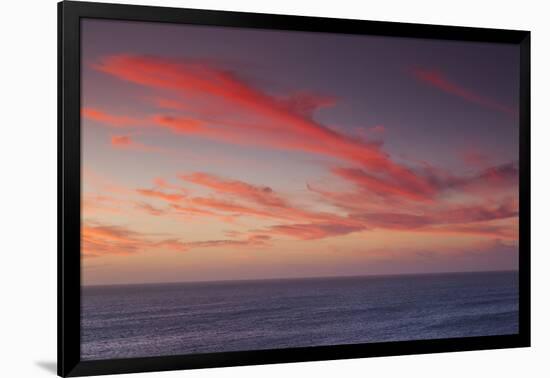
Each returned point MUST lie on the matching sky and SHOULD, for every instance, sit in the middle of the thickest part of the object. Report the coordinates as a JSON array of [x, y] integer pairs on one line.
[[217, 153]]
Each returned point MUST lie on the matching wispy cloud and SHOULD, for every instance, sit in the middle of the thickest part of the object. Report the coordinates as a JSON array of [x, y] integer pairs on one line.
[[98, 240], [233, 199], [418, 190], [127, 142], [101, 240], [263, 195], [381, 192], [254, 117], [110, 119], [310, 231], [439, 80], [158, 194]]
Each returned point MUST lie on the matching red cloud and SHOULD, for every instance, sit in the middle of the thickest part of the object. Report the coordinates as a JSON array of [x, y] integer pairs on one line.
[[126, 142], [161, 195], [151, 209], [251, 241], [236, 198], [231, 207], [285, 213], [263, 195], [438, 80], [494, 231], [435, 183], [98, 240], [101, 240], [418, 190], [109, 119], [253, 116], [492, 180], [496, 185], [312, 231], [446, 216], [121, 140], [162, 183], [190, 210], [179, 125]]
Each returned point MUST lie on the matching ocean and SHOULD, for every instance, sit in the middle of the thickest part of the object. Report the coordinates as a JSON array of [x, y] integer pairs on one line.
[[122, 321]]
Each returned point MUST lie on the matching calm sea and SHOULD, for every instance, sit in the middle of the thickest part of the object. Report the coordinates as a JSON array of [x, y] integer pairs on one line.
[[168, 319]]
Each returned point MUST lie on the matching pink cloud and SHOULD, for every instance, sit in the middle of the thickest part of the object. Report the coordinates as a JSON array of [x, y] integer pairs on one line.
[[255, 117], [102, 240], [417, 190], [150, 209], [121, 140], [127, 142], [168, 197], [109, 119], [263, 195], [179, 125], [439, 80], [386, 193], [310, 231], [98, 240]]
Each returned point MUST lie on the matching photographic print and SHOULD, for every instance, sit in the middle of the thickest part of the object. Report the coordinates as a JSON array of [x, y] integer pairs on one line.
[[251, 189]]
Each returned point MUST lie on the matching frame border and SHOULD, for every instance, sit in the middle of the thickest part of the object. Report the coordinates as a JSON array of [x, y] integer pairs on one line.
[[68, 218]]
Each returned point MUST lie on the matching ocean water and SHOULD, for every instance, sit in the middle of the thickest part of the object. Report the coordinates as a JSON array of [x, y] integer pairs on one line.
[[168, 319]]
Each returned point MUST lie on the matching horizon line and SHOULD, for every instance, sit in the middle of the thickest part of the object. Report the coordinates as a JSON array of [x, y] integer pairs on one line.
[[300, 278]]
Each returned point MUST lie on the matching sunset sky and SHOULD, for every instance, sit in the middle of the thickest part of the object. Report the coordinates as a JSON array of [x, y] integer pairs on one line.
[[213, 153]]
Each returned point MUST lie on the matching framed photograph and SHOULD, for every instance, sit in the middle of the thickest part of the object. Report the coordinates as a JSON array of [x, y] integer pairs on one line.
[[240, 188]]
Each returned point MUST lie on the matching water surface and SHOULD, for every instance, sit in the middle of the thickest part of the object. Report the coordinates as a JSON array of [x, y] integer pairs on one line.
[[168, 319]]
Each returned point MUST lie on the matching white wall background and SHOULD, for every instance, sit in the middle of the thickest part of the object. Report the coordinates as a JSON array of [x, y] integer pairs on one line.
[[28, 187]]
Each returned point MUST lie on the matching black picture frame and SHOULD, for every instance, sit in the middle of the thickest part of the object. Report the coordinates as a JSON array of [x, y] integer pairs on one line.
[[69, 165]]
